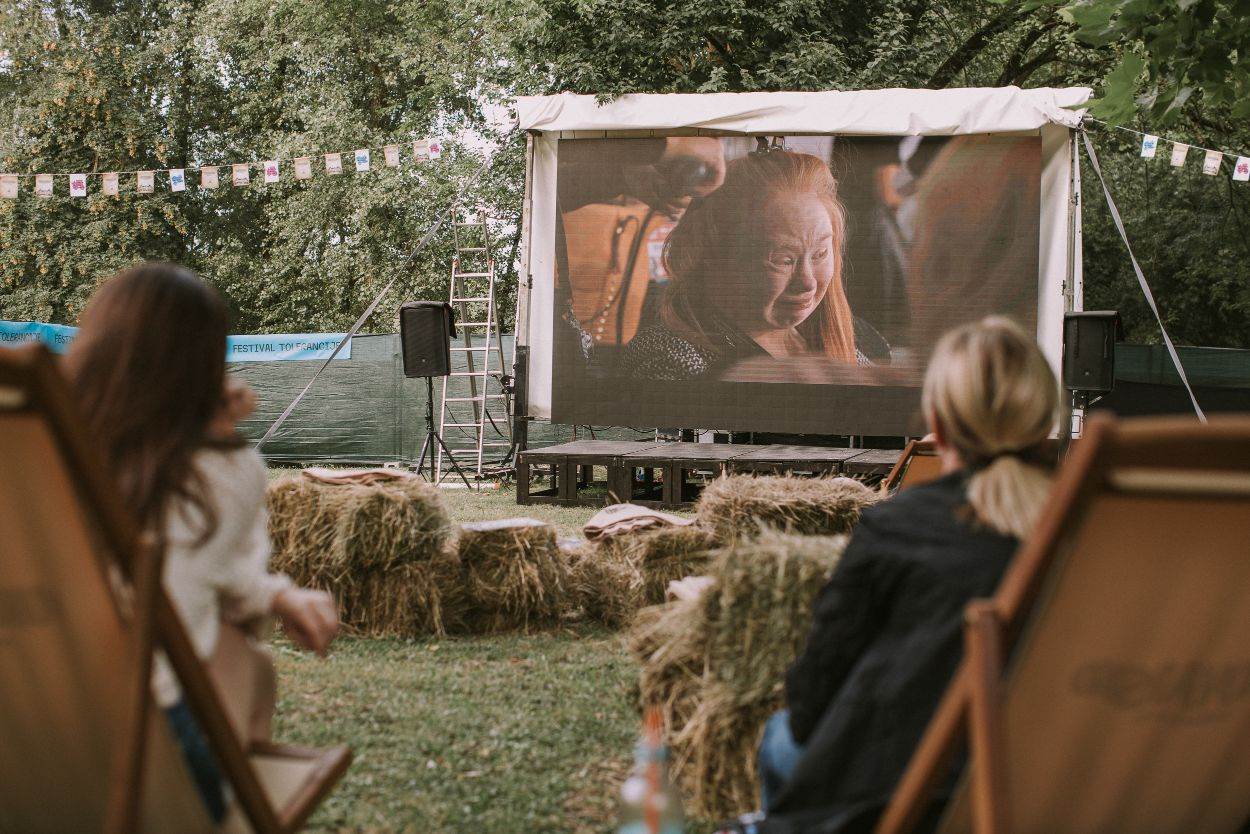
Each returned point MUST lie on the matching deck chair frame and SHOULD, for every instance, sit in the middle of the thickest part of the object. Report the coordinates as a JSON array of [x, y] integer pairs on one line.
[[30, 380], [898, 475], [970, 711]]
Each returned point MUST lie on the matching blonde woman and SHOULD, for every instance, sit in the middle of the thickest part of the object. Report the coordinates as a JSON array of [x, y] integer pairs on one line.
[[886, 633], [756, 271]]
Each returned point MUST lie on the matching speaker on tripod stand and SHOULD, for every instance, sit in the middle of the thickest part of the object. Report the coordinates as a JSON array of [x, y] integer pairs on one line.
[[425, 332]]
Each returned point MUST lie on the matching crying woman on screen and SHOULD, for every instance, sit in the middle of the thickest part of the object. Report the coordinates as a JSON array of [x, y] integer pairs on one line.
[[756, 272]]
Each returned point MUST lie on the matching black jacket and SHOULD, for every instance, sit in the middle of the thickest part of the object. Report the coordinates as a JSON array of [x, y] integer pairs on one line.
[[886, 638]]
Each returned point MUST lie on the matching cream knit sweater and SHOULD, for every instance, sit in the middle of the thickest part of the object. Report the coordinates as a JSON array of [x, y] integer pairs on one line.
[[226, 577]]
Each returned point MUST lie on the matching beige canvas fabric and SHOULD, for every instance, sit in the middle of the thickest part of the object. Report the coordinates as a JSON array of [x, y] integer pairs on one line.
[[625, 518]]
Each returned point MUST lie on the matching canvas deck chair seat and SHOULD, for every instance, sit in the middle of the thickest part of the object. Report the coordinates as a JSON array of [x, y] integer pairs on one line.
[[82, 745], [1106, 685], [918, 465]]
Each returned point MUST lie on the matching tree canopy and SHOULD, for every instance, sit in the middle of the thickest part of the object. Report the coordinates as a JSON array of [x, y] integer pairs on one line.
[[138, 84]]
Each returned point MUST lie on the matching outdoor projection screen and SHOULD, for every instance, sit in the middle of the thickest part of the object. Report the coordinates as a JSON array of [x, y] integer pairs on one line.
[[784, 281]]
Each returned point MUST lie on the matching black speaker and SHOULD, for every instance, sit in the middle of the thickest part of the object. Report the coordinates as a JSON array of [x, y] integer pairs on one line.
[[425, 331], [1089, 350]]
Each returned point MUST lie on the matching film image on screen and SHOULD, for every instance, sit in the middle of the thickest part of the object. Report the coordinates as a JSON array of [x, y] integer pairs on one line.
[[785, 284]]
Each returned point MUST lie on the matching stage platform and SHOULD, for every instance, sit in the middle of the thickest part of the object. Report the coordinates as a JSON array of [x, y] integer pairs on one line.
[[659, 474]]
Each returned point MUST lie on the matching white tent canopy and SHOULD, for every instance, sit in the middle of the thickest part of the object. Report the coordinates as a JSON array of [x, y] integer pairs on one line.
[[859, 113], [896, 112]]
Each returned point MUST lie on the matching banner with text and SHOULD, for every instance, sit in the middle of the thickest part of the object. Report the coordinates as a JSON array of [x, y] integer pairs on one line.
[[269, 347]]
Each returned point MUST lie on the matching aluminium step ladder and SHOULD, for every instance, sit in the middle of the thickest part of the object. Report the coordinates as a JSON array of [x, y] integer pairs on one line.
[[475, 415]]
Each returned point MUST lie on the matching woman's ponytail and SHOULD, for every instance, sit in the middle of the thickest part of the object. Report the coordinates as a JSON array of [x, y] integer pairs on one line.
[[996, 400]]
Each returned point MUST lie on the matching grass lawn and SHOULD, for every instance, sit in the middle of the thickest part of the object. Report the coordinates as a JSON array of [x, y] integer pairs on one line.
[[509, 733]]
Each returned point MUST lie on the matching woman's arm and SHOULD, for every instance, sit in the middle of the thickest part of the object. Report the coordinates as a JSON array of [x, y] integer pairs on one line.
[[844, 620]]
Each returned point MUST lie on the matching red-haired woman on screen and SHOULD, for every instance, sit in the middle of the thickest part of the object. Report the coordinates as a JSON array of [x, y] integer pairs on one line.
[[756, 272]]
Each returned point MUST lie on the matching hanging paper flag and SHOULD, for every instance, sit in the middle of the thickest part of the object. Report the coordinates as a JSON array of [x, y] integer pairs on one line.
[[43, 185], [1149, 144], [78, 185], [145, 182], [240, 174], [1179, 152], [208, 176], [436, 150], [108, 183], [303, 168], [1241, 171], [8, 186], [392, 156], [271, 171], [334, 163], [1211, 162], [177, 179], [421, 149], [362, 159]]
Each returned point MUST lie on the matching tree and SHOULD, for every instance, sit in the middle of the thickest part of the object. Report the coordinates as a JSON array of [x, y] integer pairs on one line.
[[1171, 50], [169, 83]]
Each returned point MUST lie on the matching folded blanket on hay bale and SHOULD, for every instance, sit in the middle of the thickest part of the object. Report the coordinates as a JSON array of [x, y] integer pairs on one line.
[[716, 666], [380, 549], [514, 576]]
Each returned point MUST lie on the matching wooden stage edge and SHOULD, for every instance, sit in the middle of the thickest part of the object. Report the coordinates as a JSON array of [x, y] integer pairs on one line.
[[632, 468]]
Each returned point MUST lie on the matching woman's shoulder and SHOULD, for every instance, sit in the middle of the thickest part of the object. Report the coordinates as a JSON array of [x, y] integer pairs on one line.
[[232, 469], [658, 352]]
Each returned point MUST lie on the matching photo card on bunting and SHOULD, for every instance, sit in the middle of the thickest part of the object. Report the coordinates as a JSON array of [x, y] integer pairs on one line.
[[1241, 170], [436, 149], [271, 171], [78, 185], [362, 159], [8, 186], [334, 163], [177, 179], [145, 182], [43, 185], [1211, 162], [108, 183], [421, 150], [208, 176], [303, 167], [391, 152], [240, 174], [1179, 152], [1149, 144]]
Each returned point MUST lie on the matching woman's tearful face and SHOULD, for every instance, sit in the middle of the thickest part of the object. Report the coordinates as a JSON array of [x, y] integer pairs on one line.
[[787, 267]]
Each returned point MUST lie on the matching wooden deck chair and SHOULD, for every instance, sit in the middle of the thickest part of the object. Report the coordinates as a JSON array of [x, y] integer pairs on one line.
[[1106, 686], [918, 465], [82, 746]]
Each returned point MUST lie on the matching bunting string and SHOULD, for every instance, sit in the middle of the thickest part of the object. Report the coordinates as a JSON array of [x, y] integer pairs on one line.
[[331, 163], [1212, 158]]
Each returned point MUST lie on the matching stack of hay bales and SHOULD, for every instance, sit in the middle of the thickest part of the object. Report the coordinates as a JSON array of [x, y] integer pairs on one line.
[[514, 575], [615, 577], [736, 506], [380, 550], [715, 666]]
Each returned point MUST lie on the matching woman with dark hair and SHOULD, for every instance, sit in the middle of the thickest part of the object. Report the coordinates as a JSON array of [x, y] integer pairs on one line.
[[149, 368], [756, 270]]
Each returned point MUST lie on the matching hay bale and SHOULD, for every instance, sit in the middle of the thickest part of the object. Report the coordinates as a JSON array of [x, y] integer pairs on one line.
[[716, 666], [603, 584], [380, 550], [624, 573], [735, 506], [513, 574]]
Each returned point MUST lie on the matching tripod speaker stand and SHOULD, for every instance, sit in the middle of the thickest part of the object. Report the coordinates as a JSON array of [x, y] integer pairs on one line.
[[425, 331], [432, 437]]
